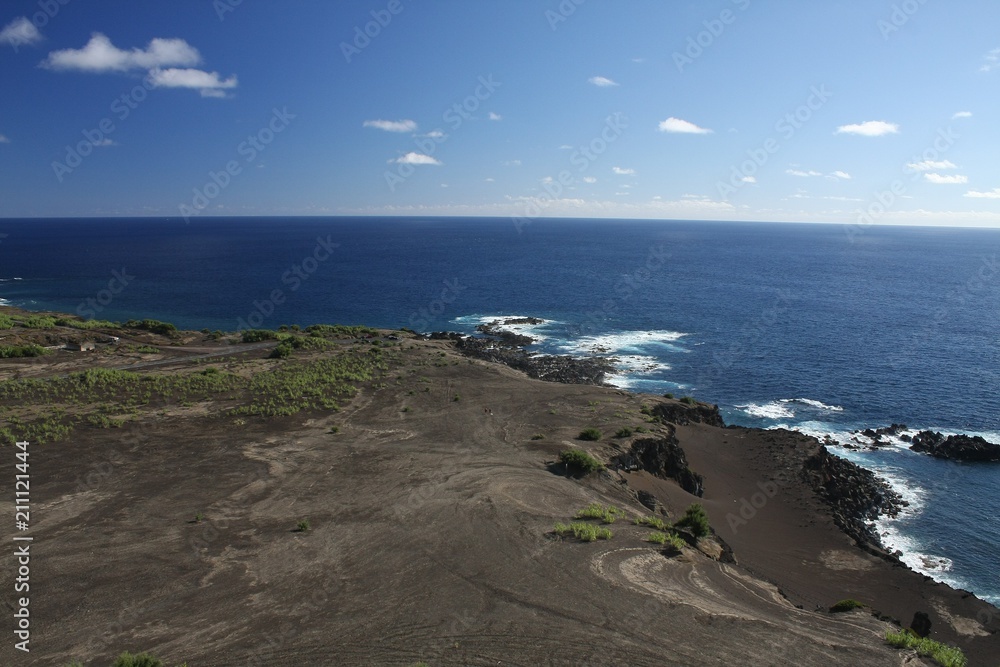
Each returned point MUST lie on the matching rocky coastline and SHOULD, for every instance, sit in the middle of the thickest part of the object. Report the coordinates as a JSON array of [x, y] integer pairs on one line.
[[957, 447]]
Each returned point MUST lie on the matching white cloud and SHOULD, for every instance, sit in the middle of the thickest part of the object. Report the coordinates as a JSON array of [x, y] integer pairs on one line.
[[992, 61], [602, 81], [804, 174], [928, 165], [589, 179], [623, 172], [490, 180], [565, 147], [208, 83], [392, 125], [20, 31], [869, 128], [938, 179], [100, 55], [495, 116], [682, 126], [511, 163], [989, 194], [961, 114], [840, 175], [4, 140], [417, 159], [436, 134], [749, 179]]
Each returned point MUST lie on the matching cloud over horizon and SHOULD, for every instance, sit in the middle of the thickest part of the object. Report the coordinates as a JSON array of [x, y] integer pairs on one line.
[[869, 128], [392, 125], [20, 31], [417, 159], [680, 126], [939, 179], [602, 81]]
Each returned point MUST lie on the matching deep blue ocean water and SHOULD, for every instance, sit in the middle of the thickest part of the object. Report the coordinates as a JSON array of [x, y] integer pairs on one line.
[[803, 326]]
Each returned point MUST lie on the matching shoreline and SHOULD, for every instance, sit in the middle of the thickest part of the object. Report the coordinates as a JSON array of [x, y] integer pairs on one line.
[[418, 436]]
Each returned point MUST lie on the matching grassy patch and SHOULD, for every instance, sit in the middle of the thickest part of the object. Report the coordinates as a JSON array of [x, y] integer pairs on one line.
[[589, 434], [687, 400], [585, 532], [303, 526], [674, 543], [653, 522], [623, 432], [577, 459], [607, 514], [947, 656], [16, 351], [656, 537]]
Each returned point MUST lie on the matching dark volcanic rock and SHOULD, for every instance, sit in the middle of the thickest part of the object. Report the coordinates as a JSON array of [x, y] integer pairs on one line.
[[856, 496], [921, 624], [663, 457], [956, 447], [683, 413], [565, 369]]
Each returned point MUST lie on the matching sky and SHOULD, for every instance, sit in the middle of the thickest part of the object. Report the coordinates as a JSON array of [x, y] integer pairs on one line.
[[859, 112]]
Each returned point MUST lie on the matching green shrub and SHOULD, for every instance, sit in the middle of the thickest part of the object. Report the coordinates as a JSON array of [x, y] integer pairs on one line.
[[126, 659], [15, 351], [538, 436], [623, 432], [947, 656], [155, 326], [674, 543], [688, 400], [258, 335], [585, 532], [590, 434], [282, 350], [846, 605], [695, 520], [607, 514], [668, 395], [303, 526], [580, 460]]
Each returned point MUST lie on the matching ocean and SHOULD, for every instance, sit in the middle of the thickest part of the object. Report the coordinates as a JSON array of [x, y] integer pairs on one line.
[[821, 328]]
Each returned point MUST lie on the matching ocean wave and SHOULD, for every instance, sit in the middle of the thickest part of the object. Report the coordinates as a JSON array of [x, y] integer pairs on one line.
[[622, 342], [772, 410], [785, 408], [4, 302], [7, 280]]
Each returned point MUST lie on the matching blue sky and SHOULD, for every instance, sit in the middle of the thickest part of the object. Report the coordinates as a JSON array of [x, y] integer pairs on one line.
[[863, 112]]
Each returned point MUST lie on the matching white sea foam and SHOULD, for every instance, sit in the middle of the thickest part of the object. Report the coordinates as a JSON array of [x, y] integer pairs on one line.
[[772, 410], [624, 342], [4, 302], [531, 330], [785, 408]]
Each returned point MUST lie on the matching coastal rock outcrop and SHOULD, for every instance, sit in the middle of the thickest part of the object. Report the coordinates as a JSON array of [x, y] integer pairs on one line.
[[856, 496], [663, 457], [686, 413], [956, 447], [554, 368]]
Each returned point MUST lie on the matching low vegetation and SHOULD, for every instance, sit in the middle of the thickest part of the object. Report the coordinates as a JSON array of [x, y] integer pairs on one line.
[[15, 351], [623, 432], [585, 532], [846, 605], [653, 522], [580, 461], [947, 656], [607, 514], [589, 434], [695, 520]]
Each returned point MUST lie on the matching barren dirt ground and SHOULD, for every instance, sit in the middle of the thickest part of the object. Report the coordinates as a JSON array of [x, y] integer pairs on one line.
[[431, 512]]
